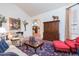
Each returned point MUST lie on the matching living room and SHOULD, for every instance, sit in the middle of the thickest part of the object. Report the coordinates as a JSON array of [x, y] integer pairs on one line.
[[38, 29]]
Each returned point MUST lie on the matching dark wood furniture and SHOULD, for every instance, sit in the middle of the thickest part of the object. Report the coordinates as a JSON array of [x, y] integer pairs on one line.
[[36, 45], [51, 30]]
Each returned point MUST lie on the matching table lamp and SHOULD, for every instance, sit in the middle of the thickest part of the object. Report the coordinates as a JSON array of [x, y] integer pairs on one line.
[[2, 32]]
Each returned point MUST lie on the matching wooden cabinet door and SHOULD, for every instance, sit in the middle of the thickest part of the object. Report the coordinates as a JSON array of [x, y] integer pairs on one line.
[[51, 30]]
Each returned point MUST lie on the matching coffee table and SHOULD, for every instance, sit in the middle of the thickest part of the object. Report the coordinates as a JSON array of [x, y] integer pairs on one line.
[[36, 45]]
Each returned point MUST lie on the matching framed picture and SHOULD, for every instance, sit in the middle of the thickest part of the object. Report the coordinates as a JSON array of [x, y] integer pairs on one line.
[[72, 21], [14, 24]]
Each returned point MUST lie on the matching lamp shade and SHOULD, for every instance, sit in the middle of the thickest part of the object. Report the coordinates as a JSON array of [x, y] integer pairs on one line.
[[35, 24], [2, 30]]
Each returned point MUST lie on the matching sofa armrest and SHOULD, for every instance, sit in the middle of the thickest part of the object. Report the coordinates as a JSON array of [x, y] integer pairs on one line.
[[14, 49]]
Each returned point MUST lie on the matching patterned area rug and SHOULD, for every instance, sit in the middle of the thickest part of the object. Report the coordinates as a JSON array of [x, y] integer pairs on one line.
[[47, 50]]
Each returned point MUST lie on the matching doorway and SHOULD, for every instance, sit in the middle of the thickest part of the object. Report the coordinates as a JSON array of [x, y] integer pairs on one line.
[[36, 28]]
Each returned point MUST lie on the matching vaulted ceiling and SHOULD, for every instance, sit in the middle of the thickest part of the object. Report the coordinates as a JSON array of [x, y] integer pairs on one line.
[[33, 9]]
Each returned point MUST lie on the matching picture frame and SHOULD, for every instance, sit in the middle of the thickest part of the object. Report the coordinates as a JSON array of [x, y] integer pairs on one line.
[[14, 24]]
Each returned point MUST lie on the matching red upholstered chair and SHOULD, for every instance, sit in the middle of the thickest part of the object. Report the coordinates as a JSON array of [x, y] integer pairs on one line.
[[77, 42], [71, 44], [61, 46], [77, 39]]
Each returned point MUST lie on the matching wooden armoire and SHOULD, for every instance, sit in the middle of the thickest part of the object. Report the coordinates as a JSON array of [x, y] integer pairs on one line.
[[51, 30]]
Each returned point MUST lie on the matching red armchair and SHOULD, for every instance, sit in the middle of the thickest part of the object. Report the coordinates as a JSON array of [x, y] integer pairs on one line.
[[77, 39], [71, 44], [67, 46], [77, 42], [61, 46]]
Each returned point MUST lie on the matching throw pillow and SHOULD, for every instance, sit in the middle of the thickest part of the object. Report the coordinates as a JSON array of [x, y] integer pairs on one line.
[[3, 45]]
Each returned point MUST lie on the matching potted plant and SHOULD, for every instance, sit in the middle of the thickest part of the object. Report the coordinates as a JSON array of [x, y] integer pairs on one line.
[[2, 20], [25, 23]]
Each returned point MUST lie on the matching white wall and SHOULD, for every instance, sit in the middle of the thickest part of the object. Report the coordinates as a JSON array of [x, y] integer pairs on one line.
[[61, 12], [11, 10], [48, 17]]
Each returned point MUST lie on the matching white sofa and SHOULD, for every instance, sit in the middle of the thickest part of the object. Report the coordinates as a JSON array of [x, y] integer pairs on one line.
[[14, 49]]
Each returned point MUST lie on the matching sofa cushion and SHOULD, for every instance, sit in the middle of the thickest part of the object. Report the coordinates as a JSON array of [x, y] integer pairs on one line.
[[3, 46], [70, 43], [77, 39], [14, 49], [60, 44], [8, 54], [1, 50]]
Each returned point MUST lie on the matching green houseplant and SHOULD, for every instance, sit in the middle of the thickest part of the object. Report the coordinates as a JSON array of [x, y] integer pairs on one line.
[[25, 23], [2, 20]]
